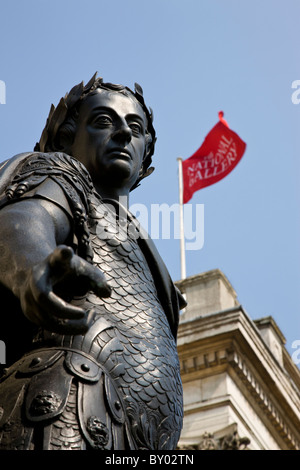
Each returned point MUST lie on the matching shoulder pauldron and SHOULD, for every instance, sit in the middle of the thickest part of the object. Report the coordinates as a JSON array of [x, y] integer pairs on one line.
[[69, 174]]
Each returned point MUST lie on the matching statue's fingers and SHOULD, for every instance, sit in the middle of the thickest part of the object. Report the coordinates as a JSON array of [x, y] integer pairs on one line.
[[95, 277], [99, 283], [56, 306], [61, 258], [54, 314], [63, 325], [63, 261], [43, 295]]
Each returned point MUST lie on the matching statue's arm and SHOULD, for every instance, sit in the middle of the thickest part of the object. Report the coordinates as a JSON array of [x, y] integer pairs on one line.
[[35, 258]]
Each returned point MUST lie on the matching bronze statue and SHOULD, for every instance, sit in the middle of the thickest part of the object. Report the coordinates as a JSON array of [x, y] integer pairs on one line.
[[89, 312]]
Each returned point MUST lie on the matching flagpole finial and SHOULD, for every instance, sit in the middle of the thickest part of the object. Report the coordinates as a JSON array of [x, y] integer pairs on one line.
[[221, 117]]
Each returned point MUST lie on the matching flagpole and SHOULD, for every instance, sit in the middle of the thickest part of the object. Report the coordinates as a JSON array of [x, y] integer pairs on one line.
[[182, 244]]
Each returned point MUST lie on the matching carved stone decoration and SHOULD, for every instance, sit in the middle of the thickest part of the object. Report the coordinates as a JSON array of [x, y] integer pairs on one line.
[[208, 441], [234, 442]]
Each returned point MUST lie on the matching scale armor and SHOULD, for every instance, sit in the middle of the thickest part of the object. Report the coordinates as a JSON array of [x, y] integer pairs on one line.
[[118, 386]]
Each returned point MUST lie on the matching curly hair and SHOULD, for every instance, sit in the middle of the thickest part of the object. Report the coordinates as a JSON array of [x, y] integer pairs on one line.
[[62, 120]]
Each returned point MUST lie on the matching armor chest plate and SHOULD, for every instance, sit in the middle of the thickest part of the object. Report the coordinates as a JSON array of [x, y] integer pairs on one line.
[[130, 336]]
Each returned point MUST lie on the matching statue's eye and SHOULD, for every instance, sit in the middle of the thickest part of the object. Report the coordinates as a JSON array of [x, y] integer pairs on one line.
[[102, 120], [136, 128]]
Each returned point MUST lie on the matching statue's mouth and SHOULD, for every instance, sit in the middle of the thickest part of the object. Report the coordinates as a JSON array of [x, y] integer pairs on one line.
[[120, 153]]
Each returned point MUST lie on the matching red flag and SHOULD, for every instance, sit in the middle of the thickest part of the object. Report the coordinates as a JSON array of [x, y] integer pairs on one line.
[[219, 154]]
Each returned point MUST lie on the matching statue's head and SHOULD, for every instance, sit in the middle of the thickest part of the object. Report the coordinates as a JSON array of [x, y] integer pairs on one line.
[[59, 133]]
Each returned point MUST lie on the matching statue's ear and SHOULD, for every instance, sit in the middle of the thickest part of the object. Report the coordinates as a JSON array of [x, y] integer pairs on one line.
[[65, 138], [143, 174]]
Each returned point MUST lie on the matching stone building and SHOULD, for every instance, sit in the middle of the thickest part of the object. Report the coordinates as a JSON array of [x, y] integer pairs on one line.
[[241, 387]]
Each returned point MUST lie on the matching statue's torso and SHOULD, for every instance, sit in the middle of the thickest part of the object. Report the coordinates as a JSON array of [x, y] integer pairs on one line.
[[130, 337]]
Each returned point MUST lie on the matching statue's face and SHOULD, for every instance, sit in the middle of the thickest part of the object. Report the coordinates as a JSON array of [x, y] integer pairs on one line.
[[110, 138]]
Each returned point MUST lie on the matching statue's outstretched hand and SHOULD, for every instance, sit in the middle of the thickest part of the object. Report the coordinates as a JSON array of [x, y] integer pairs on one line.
[[47, 283]]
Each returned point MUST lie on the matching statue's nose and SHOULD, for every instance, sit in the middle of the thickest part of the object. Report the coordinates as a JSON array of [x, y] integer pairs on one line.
[[123, 134]]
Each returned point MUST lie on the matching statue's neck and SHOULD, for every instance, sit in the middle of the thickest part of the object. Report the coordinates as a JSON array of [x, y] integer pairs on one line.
[[119, 195]]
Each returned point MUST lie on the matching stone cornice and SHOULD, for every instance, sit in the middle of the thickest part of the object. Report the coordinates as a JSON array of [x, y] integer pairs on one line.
[[263, 399], [270, 321], [206, 276], [235, 323], [230, 339]]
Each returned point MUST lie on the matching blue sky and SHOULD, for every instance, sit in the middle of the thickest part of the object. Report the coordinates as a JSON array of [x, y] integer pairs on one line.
[[192, 58]]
